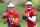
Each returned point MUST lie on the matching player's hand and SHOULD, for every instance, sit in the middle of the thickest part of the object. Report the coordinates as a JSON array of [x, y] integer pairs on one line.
[[5, 20], [4, 15], [24, 16]]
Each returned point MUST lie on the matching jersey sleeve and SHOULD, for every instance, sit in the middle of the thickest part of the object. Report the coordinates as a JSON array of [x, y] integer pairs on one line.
[[34, 13], [17, 15]]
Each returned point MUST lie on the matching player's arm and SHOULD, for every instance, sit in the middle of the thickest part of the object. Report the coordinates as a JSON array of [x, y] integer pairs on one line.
[[33, 19], [14, 21], [5, 20], [4, 16], [16, 18]]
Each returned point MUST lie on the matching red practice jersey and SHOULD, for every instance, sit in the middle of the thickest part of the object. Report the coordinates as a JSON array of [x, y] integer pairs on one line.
[[31, 13], [14, 15]]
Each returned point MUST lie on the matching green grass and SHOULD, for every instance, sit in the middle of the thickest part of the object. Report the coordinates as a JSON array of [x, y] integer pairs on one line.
[[19, 9]]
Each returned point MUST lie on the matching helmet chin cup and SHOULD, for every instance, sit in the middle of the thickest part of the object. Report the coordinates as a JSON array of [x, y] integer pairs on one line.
[[28, 8], [11, 11]]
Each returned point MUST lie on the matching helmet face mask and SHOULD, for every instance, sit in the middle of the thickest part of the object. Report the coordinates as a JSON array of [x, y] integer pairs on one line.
[[11, 9], [29, 5]]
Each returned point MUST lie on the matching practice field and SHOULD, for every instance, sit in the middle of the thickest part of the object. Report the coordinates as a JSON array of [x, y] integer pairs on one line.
[[19, 9]]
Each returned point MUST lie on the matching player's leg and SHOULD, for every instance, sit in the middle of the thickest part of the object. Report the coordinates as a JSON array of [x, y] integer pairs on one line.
[[18, 26], [8, 23]]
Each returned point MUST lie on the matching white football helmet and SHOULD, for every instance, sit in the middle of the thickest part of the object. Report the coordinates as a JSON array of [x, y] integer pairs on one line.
[[11, 5], [29, 2]]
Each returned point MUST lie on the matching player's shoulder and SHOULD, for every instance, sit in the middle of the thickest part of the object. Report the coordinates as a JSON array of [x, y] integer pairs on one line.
[[33, 10]]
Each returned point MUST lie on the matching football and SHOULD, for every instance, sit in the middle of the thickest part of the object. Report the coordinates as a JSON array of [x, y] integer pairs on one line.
[[4, 15], [24, 16]]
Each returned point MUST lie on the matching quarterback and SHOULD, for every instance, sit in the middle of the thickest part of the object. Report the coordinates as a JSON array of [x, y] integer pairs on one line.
[[30, 15], [12, 15]]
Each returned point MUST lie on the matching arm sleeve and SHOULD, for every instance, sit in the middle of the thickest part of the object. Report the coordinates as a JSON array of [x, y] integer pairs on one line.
[[17, 15], [33, 19]]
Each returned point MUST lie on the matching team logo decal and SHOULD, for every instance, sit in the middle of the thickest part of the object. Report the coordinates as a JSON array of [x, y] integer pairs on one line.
[[34, 13], [17, 14]]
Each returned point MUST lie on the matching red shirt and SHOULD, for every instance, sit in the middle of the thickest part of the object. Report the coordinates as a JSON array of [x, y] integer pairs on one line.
[[14, 15], [31, 13]]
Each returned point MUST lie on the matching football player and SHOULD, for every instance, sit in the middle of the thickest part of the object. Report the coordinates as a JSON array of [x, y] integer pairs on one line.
[[12, 15], [30, 15]]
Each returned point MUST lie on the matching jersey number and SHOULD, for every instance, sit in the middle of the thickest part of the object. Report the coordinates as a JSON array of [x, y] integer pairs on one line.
[[10, 21]]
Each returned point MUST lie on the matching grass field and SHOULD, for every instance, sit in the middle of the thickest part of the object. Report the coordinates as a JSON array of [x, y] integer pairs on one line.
[[19, 9]]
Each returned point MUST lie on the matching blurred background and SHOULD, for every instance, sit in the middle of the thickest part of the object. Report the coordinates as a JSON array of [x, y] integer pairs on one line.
[[20, 7]]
